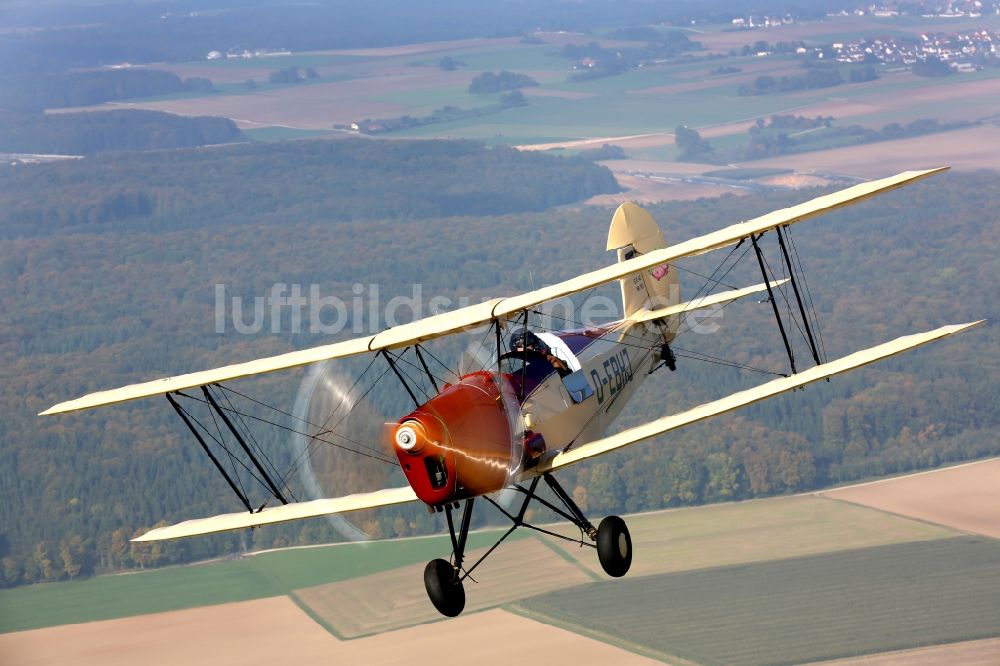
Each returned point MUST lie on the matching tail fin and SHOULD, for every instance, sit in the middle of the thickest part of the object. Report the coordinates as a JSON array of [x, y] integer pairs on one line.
[[634, 232]]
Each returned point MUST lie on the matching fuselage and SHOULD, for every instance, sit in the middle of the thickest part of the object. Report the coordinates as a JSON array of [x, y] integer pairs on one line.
[[485, 431]]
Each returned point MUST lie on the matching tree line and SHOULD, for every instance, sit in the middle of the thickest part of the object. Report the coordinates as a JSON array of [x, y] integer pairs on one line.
[[33, 93], [109, 131]]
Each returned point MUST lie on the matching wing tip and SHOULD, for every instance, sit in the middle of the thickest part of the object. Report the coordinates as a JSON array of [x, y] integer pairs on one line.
[[968, 325]]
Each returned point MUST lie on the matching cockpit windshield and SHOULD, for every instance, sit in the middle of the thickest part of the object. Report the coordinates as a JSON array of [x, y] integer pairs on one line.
[[526, 369]]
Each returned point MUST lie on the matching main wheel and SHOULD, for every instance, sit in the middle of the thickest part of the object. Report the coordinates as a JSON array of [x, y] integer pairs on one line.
[[614, 546], [447, 594]]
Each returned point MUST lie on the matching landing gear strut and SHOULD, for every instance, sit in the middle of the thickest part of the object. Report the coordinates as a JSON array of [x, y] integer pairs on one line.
[[443, 579]]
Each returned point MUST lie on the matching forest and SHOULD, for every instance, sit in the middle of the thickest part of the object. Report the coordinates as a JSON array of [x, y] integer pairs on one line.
[[274, 183], [92, 304], [27, 92], [111, 131]]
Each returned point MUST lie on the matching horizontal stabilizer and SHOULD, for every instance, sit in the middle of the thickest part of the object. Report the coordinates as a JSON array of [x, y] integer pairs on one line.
[[742, 399], [702, 302], [281, 514], [499, 308]]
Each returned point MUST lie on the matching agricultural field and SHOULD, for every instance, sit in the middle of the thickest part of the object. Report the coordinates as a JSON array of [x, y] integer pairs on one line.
[[966, 149], [394, 599], [797, 610], [262, 575], [637, 110], [787, 580], [984, 652], [268, 631], [964, 497], [756, 531]]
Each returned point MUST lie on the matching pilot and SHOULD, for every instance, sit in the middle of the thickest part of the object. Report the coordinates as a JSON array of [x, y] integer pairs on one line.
[[524, 340]]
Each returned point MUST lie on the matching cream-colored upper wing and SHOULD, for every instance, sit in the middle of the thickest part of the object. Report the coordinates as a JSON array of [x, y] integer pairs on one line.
[[714, 240], [475, 315], [281, 514], [741, 399]]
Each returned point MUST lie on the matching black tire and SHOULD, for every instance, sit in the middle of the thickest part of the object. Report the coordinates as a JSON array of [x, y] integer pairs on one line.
[[448, 596], [614, 546]]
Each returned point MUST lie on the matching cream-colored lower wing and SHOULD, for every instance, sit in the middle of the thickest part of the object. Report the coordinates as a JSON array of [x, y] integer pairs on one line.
[[281, 514], [742, 399], [702, 302]]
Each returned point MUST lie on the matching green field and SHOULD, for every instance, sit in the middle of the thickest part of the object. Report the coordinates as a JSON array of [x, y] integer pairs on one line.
[[264, 575], [758, 531], [521, 58], [797, 610]]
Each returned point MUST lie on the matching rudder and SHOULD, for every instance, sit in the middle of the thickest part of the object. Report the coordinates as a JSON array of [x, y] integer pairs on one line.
[[634, 232]]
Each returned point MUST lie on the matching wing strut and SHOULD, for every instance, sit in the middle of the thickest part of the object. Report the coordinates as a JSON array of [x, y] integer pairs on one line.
[[246, 449], [798, 297], [774, 303], [197, 435]]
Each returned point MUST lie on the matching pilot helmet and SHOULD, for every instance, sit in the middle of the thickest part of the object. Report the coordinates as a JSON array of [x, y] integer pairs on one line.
[[522, 338]]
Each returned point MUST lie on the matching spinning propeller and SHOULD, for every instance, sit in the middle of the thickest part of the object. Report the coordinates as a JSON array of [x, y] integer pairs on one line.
[[341, 455]]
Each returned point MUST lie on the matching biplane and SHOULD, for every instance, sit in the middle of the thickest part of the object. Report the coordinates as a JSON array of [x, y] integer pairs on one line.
[[545, 401]]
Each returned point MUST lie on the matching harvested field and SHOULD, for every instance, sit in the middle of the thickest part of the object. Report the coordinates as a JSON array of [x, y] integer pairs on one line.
[[984, 652], [756, 531], [798, 610], [643, 140], [966, 497], [312, 105], [903, 97], [268, 631], [794, 180], [318, 106], [493, 637], [264, 631], [395, 599], [966, 149]]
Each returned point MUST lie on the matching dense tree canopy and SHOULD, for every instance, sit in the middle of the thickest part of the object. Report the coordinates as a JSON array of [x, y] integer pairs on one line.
[[349, 179], [108, 131]]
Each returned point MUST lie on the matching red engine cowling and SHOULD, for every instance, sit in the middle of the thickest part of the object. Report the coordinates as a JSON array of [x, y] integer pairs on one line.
[[459, 443]]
